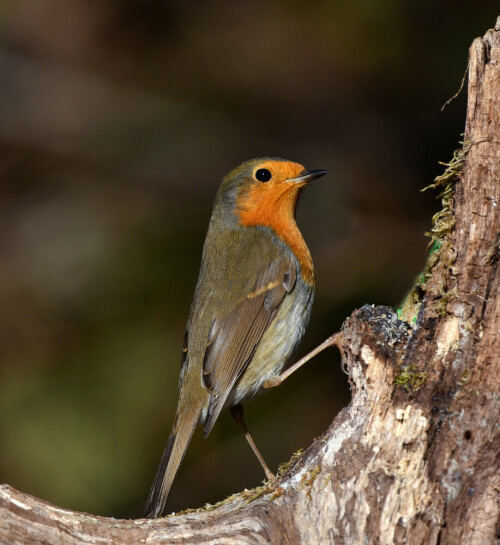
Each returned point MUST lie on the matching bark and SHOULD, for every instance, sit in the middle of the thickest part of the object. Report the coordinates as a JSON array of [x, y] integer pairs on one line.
[[414, 458]]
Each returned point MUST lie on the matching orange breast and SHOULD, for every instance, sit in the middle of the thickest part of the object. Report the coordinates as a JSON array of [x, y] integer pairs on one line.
[[273, 205]]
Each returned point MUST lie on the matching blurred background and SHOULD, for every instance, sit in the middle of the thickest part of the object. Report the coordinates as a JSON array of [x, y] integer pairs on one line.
[[118, 119]]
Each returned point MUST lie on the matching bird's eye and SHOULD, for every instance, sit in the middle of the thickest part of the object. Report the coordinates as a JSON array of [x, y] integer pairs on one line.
[[263, 175]]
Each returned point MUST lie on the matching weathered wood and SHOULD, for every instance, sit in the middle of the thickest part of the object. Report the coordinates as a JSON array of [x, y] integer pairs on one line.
[[414, 458]]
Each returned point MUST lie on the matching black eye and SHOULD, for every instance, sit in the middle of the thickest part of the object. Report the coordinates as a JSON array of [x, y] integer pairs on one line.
[[263, 175]]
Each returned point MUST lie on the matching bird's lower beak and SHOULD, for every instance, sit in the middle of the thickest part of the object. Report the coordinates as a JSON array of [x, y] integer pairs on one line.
[[308, 176]]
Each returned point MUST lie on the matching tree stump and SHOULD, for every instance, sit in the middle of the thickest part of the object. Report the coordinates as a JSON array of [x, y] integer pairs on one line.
[[414, 458]]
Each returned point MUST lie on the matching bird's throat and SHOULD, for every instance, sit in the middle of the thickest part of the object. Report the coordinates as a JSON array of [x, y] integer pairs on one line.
[[274, 207]]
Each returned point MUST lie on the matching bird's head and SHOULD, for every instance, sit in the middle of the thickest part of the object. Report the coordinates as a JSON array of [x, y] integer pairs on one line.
[[264, 191]]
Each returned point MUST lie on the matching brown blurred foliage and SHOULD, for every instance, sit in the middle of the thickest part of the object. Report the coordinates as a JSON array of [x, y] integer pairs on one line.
[[118, 119]]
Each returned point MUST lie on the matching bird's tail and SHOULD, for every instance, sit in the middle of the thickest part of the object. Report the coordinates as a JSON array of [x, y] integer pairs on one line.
[[177, 443]]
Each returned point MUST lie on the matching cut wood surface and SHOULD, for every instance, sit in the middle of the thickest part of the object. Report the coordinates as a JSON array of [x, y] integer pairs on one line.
[[415, 457]]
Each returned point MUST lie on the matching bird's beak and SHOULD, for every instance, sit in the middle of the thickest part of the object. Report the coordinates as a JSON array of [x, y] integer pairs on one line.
[[308, 176]]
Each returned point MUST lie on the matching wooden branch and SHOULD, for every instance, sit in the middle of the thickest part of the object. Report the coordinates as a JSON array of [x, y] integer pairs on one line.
[[414, 458]]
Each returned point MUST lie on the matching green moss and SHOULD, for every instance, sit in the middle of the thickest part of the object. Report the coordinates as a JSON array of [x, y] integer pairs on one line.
[[206, 507], [443, 221], [309, 477], [285, 466], [408, 310], [410, 378], [244, 497], [440, 250], [464, 377], [277, 493], [250, 495], [436, 246], [247, 496]]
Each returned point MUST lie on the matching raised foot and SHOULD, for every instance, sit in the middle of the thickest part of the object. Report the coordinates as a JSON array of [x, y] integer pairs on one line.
[[272, 382], [331, 341]]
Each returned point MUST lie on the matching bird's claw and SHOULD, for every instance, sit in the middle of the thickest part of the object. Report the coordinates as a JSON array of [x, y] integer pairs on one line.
[[272, 383]]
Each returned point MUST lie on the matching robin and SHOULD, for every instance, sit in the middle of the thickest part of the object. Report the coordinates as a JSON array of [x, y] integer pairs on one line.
[[251, 305]]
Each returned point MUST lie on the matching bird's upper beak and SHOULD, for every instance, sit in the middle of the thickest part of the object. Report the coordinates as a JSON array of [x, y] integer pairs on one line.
[[308, 176]]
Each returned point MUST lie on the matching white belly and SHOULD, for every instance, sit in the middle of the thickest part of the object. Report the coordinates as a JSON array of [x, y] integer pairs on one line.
[[277, 344]]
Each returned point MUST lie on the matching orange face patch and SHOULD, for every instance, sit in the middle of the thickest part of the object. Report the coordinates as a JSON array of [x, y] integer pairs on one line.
[[272, 204], [274, 197], [280, 170]]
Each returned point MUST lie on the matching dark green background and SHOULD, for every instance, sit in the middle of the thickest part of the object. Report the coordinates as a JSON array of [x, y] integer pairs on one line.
[[118, 119]]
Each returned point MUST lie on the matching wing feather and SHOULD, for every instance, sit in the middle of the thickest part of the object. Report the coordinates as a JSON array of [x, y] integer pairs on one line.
[[233, 338]]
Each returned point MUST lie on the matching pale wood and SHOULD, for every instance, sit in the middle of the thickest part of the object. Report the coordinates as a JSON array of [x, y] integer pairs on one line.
[[417, 464]]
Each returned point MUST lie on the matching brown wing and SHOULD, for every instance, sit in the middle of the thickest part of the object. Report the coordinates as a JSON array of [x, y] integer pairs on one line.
[[233, 338]]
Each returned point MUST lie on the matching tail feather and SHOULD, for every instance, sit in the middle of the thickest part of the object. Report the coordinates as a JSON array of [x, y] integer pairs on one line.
[[170, 461]]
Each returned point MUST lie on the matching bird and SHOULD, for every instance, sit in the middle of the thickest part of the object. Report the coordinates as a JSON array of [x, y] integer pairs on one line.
[[250, 308]]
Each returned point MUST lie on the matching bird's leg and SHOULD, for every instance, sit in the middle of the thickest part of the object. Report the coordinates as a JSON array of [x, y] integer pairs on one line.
[[331, 341], [237, 412]]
